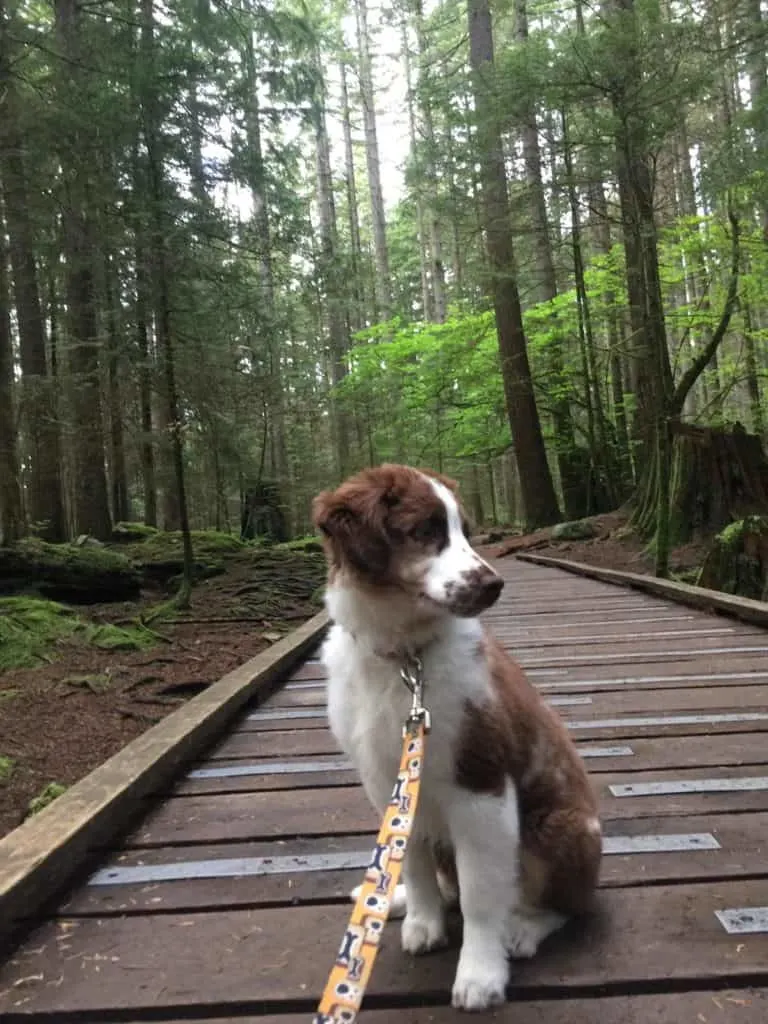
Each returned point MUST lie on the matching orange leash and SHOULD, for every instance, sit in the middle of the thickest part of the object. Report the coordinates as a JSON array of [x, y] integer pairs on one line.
[[351, 971]]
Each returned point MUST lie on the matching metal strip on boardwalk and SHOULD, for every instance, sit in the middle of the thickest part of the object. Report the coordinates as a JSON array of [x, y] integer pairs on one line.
[[319, 710], [744, 920], [634, 680], [271, 768], [238, 867], [661, 720], [575, 659], [341, 765], [679, 787]]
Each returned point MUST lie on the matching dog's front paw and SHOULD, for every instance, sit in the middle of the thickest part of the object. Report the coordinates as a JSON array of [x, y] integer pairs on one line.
[[479, 986], [527, 931], [423, 934]]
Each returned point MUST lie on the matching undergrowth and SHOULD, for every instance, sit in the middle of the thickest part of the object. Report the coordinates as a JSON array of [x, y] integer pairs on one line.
[[47, 796], [31, 628], [7, 768]]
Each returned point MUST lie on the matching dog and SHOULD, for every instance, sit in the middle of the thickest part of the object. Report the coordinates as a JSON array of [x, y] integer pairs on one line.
[[507, 821]]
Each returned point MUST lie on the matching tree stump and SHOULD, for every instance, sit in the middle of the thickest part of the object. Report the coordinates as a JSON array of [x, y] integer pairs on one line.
[[262, 514], [719, 475], [738, 561]]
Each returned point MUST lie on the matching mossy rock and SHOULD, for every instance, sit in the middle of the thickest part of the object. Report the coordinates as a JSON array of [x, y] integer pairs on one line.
[[306, 545], [65, 572], [204, 542], [160, 556], [578, 529], [128, 533], [31, 627]]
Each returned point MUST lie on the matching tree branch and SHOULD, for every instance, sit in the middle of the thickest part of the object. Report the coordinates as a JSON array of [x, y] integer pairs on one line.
[[699, 364]]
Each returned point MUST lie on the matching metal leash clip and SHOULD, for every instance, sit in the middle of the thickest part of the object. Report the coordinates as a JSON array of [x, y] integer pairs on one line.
[[412, 674]]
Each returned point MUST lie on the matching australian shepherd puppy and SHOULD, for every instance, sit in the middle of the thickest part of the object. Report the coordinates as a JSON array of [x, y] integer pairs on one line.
[[507, 821]]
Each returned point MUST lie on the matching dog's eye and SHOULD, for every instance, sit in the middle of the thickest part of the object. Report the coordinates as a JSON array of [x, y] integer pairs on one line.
[[430, 529]]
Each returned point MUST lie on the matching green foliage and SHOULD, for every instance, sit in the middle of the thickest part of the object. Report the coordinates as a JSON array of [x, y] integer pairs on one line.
[[30, 630], [51, 792], [7, 768], [118, 638]]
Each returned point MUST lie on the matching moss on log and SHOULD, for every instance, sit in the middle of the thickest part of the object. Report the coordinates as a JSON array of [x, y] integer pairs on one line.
[[65, 572]]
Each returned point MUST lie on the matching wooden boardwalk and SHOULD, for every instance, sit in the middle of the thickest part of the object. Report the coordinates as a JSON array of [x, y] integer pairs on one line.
[[227, 901]]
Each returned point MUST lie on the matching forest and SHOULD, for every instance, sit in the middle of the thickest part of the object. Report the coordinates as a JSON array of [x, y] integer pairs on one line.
[[247, 248]]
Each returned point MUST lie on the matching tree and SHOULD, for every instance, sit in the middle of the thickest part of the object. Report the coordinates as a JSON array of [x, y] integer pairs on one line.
[[38, 397], [11, 514], [90, 479], [368, 100], [538, 493]]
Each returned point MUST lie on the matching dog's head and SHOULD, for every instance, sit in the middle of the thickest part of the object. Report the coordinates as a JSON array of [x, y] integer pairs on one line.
[[400, 528]]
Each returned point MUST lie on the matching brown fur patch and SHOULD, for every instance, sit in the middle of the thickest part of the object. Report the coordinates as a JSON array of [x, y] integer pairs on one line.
[[370, 516], [518, 736]]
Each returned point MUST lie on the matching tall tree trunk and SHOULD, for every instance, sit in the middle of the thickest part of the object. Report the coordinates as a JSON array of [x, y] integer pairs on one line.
[[538, 492], [119, 475], [453, 191], [334, 288], [257, 185], [571, 472], [155, 176], [11, 512], [753, 380], [755, 35], [38, 413], [90, 484], [434, 231], [145, 374], [358, 302], [427, 299], [650, 365], [383, 289], [600, 447]]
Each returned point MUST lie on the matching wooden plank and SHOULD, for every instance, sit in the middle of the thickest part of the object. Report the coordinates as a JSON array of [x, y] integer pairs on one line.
[[282, 743], [732, 1006], [629, 700], [316, 696], [705, 636], [38, 858], [655, 934], [742, 855], [647, 754], [285, 743], [695, 666], [241, 816], [742, 608]]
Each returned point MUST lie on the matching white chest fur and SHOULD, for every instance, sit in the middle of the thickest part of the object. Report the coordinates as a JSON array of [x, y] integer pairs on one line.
[[368, 704]]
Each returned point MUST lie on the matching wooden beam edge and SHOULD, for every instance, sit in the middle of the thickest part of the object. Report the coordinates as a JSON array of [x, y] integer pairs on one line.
[[743, 608], [42, 855]]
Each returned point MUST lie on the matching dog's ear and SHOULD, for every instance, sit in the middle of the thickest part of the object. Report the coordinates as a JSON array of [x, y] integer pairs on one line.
[[352, 520]]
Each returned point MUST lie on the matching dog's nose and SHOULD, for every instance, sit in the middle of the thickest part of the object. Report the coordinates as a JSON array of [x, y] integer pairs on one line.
[[491, 588]]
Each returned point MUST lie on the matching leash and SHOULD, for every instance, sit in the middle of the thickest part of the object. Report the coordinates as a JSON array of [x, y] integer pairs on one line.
[[345, 988]]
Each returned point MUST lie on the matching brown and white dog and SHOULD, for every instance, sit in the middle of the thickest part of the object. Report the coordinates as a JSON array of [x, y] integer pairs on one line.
[[506, 815]]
